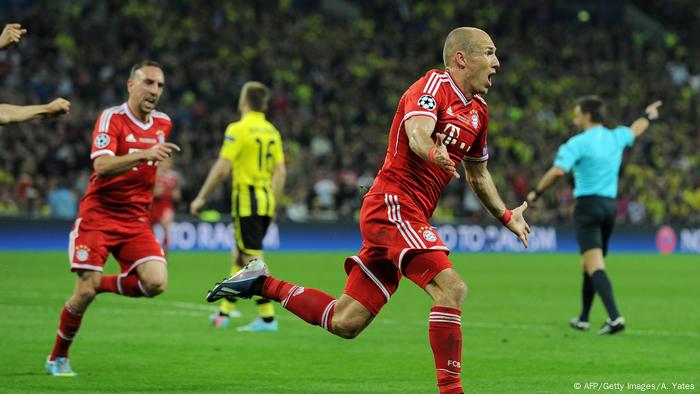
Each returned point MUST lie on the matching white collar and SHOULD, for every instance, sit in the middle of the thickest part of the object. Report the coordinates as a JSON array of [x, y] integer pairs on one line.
[[135, 120], [456, 89]]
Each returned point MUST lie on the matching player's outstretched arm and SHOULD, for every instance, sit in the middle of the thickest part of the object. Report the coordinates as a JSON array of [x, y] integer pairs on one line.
[[548, 179], [651, 112], [419, 130], [11, 33], [217, 173], [108, 166], [19, 113], [481, 182]]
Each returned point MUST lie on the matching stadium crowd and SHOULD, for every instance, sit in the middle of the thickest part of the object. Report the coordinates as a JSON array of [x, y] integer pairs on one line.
[[336, 71]]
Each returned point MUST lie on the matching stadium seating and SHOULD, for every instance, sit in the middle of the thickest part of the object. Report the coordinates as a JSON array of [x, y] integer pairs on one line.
[[336, 79]]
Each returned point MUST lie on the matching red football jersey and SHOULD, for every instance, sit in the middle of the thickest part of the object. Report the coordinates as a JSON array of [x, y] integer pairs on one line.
[[461, 124], [125, 197]]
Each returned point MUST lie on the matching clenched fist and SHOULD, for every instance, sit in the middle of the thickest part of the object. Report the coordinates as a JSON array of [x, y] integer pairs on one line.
[[12, 33], [59, 106]]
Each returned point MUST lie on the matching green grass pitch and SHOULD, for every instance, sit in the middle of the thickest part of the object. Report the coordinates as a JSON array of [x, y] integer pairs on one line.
[[515, 330]]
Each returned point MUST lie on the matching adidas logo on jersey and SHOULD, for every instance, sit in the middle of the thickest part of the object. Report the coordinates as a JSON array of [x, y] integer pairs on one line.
[[449, 111], [130, 138]]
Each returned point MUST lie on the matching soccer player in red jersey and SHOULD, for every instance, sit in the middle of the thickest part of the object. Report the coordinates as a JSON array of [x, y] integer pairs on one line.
[[128, 141], [441, 121], [166, 191]]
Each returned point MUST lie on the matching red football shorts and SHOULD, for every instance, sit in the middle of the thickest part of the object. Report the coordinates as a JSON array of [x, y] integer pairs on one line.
[[91, 243], [397, 241]]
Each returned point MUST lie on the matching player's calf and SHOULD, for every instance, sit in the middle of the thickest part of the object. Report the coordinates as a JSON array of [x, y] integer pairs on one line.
[[447, 289], [346, 330], [444, 331]]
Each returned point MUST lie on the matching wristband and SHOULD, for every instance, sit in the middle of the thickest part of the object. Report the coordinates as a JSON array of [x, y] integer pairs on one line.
[[431, 154], [650, 117], [505, 219]]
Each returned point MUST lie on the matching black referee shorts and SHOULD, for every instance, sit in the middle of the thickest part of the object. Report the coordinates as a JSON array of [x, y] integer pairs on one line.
[[249, 233], [594, 219]]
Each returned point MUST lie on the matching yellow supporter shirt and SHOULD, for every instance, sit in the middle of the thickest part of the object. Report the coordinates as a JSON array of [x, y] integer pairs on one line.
[[254, 148]]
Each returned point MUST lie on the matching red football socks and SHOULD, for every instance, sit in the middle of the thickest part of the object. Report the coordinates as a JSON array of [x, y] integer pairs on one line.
[[129, 286], [108, 284], [446, 341], [67, 328], [313, 306]]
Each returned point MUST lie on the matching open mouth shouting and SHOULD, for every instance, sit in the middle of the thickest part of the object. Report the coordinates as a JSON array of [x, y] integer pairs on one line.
[[488, 79], [150, 102]]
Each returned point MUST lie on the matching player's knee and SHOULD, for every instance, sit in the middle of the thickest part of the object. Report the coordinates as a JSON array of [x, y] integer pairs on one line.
[[451, 291], [458, 292], [153, 278], [82, 297], [87, 294], [154, 286], [86, 288]]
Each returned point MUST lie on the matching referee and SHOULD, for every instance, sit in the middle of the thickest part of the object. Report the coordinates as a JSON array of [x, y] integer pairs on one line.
[[595, 155]]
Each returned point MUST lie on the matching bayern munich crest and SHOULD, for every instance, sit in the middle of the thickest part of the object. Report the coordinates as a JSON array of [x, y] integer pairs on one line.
[[427, 102], [82, 252], [429, 236], [475, 121], [101, 141]]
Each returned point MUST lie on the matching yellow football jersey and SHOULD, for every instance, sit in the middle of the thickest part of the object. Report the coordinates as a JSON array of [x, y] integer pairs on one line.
[[254, 148]]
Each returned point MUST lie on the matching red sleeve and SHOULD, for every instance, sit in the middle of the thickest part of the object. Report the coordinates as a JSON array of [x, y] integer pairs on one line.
[[424, 97], [105, 135], [479, 150]]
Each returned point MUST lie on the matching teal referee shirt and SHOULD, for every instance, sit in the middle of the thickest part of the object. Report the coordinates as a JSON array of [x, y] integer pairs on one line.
[[595, 157]]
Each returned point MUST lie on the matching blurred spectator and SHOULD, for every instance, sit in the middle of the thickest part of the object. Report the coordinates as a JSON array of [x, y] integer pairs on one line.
[[324, 197], [636, 212], [298, 208]]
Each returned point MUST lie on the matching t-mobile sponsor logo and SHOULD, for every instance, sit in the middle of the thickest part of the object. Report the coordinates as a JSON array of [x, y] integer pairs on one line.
[[450, 135]]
